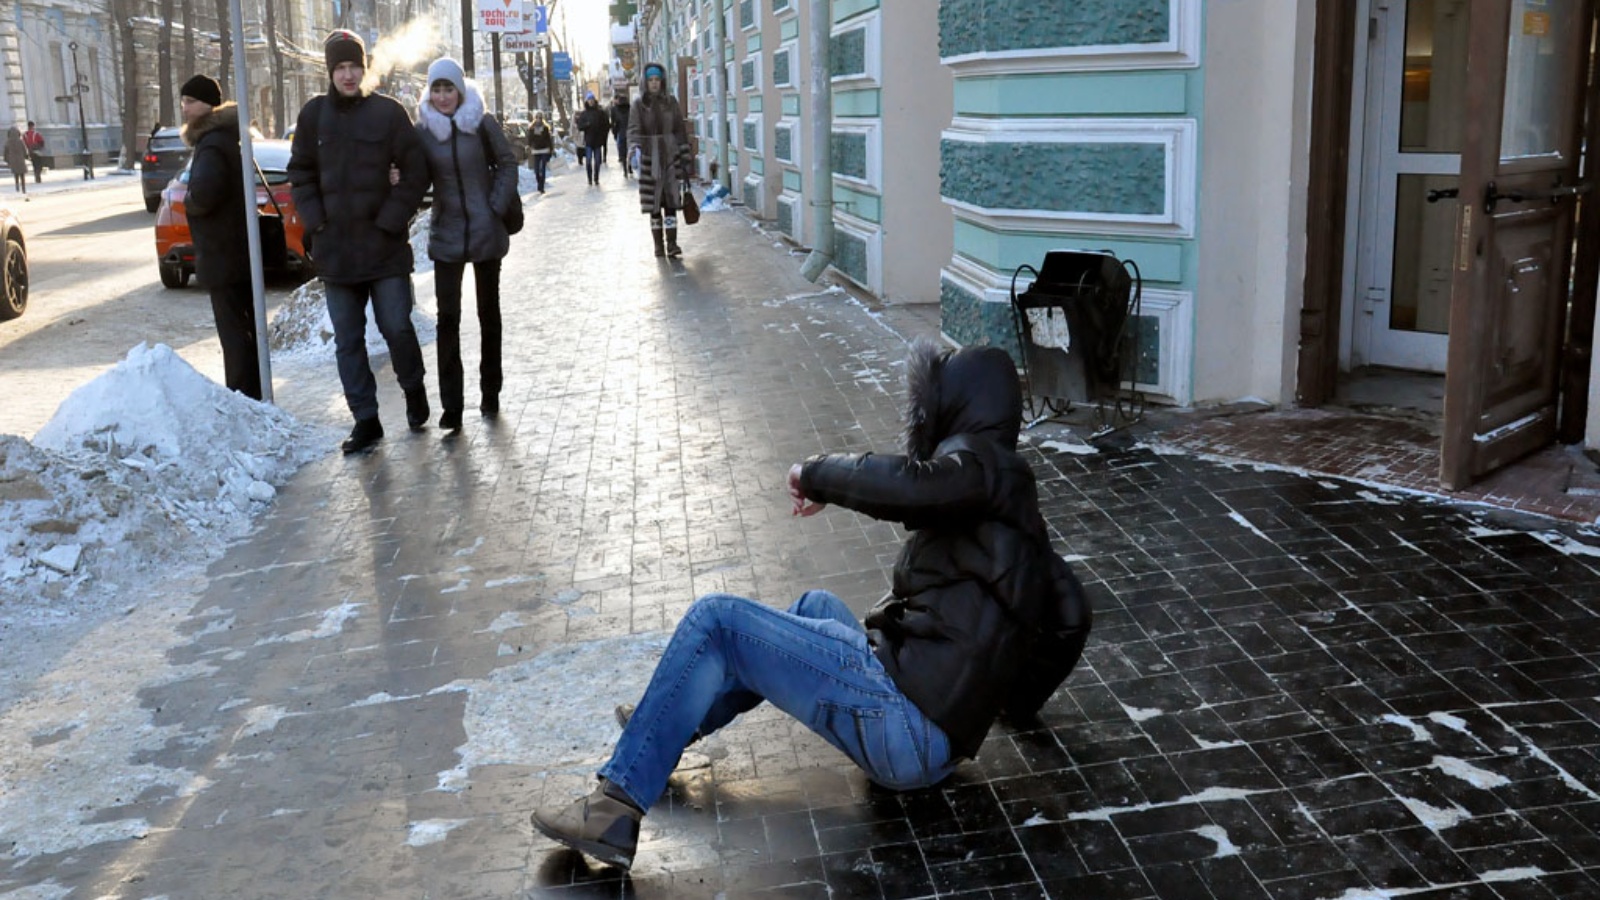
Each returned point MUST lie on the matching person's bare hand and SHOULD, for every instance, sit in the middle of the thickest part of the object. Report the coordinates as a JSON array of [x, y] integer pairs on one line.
[[802, 506], [394, 174]]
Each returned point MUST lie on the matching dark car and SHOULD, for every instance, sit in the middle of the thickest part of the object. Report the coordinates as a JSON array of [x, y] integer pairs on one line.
[[13, 265], [175, 246], [164, 158]]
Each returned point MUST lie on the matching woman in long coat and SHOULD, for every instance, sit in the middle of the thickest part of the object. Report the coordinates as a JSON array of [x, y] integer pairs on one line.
[[658, 142], [474, 173], [17, 157]]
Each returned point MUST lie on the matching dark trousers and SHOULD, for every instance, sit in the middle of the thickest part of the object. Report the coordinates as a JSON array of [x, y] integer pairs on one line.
[[234, 307], [392, 300], [447, 284], [592, 160], [38, 166], [541, 165], [21, 176], [622, 153]]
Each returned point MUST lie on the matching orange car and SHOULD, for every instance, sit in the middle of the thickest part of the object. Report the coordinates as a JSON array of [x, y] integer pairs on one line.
[[174, 246]]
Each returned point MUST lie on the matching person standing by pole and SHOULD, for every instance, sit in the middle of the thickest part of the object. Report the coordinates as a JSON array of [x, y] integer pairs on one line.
[[218, 220], [357, 228]]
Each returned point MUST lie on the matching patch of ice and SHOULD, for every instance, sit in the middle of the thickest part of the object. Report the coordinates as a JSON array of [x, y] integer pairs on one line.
[[1139, 715], [1225, 846], [1434, 818], [1418, 733], [431, 831], [1469, 773], [503, 622], [1076, 449], [1036, 819]]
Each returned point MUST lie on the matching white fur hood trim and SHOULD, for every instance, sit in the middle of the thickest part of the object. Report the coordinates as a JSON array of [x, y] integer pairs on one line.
[[467, 116]]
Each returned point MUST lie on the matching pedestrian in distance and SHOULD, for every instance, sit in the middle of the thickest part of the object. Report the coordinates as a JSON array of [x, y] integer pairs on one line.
[[16, 156], [983, 617], [357, 227], [620, 107], [474, 172], [658, 150], [219, 223], [34, 141], [541, 146], [595, 127]]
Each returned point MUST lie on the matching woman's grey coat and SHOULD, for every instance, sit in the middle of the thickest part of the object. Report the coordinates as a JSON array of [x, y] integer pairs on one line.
[[469, 196], [657, 128]]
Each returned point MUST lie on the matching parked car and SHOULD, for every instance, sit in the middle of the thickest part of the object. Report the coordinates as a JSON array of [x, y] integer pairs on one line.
[[13, 265], [164, 156], [175, 246]]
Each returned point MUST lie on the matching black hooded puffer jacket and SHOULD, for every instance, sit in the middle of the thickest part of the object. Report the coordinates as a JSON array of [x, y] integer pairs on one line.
[[983, 616]]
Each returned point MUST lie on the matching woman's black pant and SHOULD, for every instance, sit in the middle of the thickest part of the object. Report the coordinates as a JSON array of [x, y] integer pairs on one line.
[[447, 288]]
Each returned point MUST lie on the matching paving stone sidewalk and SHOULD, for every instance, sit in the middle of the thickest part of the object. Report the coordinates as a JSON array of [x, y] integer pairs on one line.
[[1297, 687]]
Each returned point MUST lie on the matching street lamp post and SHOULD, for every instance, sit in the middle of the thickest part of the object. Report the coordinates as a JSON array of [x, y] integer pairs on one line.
[[79, 89]]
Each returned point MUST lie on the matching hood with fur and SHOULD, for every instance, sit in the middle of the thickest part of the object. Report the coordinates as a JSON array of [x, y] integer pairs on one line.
[[974, 390], [467, 116], [224, 116]]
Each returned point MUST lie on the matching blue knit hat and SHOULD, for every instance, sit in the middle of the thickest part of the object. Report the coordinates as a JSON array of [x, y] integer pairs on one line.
[[655, 70]]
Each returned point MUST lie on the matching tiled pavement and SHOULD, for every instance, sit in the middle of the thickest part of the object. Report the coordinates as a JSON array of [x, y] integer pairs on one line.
[[1297, 686]]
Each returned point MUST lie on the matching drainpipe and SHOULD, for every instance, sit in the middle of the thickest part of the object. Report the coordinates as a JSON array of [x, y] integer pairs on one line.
[[821, 140], [719, 37]]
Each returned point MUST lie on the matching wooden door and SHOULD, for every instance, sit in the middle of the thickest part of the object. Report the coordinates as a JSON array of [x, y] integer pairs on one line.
[[1527, 62]]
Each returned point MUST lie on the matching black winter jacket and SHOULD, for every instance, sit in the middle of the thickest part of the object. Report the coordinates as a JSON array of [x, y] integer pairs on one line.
[[214, 201], [983, 617], [358, 225], [595, 125]]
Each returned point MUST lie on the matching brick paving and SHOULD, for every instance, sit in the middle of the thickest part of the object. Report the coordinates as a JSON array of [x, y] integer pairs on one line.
[[1297, 686]]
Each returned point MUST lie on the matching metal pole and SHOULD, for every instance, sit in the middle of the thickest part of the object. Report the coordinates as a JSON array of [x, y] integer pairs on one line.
[[78, 90], [821, 141], [247, 157], [719, 72], [494, 60], [468, 19]]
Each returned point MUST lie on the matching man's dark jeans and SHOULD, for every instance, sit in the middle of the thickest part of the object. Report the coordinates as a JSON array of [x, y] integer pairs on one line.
[[392, 300]]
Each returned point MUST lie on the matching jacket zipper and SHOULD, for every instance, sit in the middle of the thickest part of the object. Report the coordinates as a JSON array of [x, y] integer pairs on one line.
[[461, 191]]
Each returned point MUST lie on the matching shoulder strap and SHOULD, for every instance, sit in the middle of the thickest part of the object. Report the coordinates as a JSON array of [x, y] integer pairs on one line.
[[270, 196], [488, 148]]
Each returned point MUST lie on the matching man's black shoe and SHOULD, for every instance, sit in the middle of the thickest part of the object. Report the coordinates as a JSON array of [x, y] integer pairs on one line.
[[366, 433], [417, 411], [451, 420], [490, 407]]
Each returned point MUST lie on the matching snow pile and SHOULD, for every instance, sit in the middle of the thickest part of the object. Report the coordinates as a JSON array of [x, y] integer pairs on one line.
[[146, 467], [301, 327]]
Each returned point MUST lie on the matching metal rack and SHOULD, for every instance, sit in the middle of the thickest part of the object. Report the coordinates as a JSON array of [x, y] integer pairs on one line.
[[1077, 329]]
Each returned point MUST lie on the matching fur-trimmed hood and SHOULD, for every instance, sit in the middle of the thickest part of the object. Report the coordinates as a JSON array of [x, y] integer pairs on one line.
[[467, 118], [224, 116], [974, 390]]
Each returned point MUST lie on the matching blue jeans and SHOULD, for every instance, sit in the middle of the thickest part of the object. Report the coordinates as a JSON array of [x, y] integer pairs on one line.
[[392, 300], [728, 654], [541, 165]]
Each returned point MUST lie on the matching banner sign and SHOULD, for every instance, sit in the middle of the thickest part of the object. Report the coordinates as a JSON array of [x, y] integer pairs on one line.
[[500, 16], [521, 42], [561, 66], [540, 15]]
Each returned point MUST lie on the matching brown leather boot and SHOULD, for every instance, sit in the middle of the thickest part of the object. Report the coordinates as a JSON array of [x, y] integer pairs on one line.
[[661, 247], [673, 250], [597, 825]]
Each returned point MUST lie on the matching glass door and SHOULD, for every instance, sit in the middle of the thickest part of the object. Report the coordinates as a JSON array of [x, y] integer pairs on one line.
[[1415, 116]]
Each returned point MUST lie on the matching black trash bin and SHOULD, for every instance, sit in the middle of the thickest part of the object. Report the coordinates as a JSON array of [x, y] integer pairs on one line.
[[1075, 331]]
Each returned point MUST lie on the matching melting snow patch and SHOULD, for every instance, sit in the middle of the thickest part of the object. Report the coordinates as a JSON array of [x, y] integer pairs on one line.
[[1469, 773], [1209, 795], [261, 719], [1434, 818], [1139, 715], [554, 709], [468, 551], [1225, 847], [431, 831], [1382, 499], [503, 622], [1036, 819], [1216, 745], [1247, 524], [1454, 723], [1418, 733], [1077, 449], [1564, 544], [504, 582]]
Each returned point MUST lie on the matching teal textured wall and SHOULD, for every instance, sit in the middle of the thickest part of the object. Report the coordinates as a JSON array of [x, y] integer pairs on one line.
[[850, 255], [850, 154], [976, 26], [847, 54], [1087, 178], [972, 322]]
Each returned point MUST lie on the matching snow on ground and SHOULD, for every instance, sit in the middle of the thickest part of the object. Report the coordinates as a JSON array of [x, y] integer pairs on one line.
[[145, 473]]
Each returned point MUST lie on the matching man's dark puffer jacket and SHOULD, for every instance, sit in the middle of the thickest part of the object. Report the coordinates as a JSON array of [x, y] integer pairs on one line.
[[358, 224], [983, 615]]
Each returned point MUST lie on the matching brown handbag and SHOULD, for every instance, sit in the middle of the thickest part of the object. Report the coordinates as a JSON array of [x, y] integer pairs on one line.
[[690, 211]]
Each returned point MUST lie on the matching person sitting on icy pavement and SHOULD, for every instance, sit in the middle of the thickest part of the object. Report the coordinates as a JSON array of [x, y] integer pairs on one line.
[[983, 617]]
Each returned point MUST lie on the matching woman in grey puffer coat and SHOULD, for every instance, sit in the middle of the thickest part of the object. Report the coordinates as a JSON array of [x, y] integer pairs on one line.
[[474, 173]]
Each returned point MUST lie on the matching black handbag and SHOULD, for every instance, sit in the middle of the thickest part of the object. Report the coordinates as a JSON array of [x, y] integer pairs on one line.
[[514, 218], [274, 240]]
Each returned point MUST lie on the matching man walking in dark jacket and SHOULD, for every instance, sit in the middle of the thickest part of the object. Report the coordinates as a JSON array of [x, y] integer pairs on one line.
[[619, 130], [595, 127], [218, 221], [357, 228], [983, 617]]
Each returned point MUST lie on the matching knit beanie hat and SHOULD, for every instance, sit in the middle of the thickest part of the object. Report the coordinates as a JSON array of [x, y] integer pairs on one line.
[[446, 69], [203, 88], [344, 46], [655, 70]]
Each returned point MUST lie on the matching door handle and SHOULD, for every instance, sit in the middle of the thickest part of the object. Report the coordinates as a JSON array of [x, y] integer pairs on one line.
[[1556, 194], [1443, 194]]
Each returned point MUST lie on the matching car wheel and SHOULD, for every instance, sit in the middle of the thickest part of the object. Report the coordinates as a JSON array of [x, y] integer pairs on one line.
[[13, 280], [173, 276], [151, 204]]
